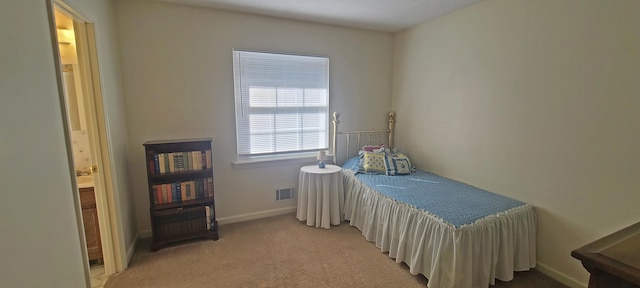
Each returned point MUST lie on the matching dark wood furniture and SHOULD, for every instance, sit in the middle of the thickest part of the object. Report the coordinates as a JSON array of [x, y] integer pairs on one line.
[[613, 261], [91, 226], [180, 186]]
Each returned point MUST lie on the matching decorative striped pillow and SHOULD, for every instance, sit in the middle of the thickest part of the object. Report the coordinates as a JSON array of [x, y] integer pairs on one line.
[[397, 165]]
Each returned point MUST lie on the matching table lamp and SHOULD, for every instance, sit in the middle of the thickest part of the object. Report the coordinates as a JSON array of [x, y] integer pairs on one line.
[[322, 156]]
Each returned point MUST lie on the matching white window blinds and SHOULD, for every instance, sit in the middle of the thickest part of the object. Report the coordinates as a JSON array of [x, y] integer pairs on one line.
[[282, 103]]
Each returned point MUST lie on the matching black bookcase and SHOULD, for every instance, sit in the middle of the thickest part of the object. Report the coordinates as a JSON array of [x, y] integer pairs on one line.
[[181, 193]]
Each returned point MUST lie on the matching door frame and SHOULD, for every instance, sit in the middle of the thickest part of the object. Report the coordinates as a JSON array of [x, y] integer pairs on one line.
[[114, 253]]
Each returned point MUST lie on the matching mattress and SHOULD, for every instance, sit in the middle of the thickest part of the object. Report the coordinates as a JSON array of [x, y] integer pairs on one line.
[[457, 235], [455, 202]]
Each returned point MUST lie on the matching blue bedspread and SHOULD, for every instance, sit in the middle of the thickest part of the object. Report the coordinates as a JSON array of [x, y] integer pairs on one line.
[[454, 202]]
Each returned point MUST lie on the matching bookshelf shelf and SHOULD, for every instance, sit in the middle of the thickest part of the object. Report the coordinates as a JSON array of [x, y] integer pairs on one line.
[[186, 203], [181, 191], [177, 176]]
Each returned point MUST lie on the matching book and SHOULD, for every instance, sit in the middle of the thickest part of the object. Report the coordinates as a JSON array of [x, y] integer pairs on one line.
[[189, 192], [208, 159], [197, 160], [161, 165], [157, 194], [205, 187], [199, 190], [164, 193], [174, 193], [166, 162], [156, 164], [172, 164], [183, 191], [178, 161], [208, 216], [152, 167], [210, 187], [188, 162], [179, 191], [169, 193]]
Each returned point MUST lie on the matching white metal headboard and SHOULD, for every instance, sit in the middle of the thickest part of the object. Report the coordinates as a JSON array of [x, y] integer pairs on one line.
[[369, 135]]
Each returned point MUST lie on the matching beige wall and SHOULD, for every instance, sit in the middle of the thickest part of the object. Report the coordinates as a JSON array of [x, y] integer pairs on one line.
[[177, 70], [536, 100], [41, 228]]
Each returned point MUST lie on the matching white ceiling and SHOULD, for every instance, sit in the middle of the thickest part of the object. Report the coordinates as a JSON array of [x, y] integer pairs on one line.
[[379, 15]]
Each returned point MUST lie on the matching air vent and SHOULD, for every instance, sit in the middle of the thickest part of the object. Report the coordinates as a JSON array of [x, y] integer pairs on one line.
[[284, 194]]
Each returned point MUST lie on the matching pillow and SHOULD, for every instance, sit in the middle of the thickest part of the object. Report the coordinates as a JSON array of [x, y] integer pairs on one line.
[[372, 148], [373, 162], [397, 165]]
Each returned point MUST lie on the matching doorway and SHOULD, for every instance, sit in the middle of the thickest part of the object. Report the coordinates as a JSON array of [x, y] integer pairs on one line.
[[82, 99]]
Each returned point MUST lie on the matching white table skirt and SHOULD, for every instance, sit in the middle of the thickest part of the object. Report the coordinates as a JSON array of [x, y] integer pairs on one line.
[[321, 196]]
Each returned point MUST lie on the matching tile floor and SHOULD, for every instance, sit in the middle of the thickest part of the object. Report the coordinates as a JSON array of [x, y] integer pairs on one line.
[[98, 279]]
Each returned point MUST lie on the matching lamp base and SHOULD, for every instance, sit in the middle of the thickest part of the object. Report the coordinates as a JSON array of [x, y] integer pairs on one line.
[[321, 164]]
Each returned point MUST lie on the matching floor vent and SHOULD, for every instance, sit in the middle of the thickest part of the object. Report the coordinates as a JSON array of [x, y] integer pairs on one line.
[[284, 194]]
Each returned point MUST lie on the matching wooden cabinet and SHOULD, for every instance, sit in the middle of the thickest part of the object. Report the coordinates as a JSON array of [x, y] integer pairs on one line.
[[91, 226], [613, 261], [181, 191]]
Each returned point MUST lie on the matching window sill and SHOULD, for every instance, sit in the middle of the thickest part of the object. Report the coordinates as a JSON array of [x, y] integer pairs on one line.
[[306, 158]]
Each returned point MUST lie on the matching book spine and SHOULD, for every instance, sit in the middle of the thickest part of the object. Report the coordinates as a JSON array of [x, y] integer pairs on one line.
[[196, 160], [179, 191], [203, 160], [164, 193], [156, 164], [169, 193], [193, 189], [188, 162], [208, 159], [199, 191], [172, 164], [161, 166], [187, 186], [208, 216], [151, 167], [195, 156], [183, 191], [210, 187], [185, 161], [155, 194], [174, 195], [205, 187], [166, 162], [178, 160]]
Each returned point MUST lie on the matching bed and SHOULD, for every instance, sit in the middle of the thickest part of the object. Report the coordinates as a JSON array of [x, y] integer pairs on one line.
[[456, 235]]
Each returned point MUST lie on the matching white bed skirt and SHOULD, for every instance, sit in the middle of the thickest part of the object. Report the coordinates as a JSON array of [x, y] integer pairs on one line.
[[467, 257]]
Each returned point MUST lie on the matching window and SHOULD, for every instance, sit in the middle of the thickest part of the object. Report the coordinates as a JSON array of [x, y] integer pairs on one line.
[[282, 104]]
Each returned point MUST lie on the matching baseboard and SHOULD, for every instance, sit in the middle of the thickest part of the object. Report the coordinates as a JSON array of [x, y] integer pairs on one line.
[[238, 218], [145, 234], [256, 215], [132, 248], [560, 277]]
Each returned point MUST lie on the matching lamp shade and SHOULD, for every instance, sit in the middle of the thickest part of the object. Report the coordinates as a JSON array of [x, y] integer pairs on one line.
[[322, 156]]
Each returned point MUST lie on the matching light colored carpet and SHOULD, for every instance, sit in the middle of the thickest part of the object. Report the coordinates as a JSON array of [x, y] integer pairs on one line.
[[278, 252]]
